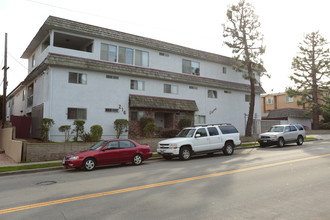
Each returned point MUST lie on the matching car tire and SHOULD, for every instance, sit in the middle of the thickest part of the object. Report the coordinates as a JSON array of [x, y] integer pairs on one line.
[[228, 149], [280, 142], [300, 140], [185, 153], [137, 159], [167, 157], [89, 164]]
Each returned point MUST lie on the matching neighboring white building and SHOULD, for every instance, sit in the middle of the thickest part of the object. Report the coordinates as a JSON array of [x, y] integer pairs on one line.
[[80, 71]]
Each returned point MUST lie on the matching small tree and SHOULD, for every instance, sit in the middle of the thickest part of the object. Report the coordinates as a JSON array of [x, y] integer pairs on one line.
[[120, 126], [66, 129], [96, 132], [149, 129], [46, 124], [79, 129]]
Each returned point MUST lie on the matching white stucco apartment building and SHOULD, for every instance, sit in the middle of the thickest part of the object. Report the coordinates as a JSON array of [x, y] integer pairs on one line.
[[81, 71]]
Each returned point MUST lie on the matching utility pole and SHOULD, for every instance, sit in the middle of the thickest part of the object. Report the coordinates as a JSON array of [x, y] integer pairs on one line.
[[5, 68]]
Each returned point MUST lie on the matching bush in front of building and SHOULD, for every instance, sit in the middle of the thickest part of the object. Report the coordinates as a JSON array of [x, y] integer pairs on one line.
[[96, 132], [168, 133], [79, 129], [46, 124], [120, 126], [66, 129], [148, 126], [184, 122]]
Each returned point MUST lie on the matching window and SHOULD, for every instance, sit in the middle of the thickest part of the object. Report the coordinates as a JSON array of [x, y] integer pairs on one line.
[[289, 99], [136, 115], [269, 100], [126, 144], [190, 67], [112, 77], [193, 87], [79, 78], [201, 132], [109, 52], [228, 129], [224, 70], [226, 91], [137, 85], [141, 58], [33, 61], [23, 95], [77, 113], [247, 98], [212, 94], [115, 110], [168, 88], [200, 119], [164, 54], [213, 131], [112, 145], [125, 55]]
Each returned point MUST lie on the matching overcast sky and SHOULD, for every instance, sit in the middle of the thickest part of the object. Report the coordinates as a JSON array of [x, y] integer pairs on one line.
[[192, 23]]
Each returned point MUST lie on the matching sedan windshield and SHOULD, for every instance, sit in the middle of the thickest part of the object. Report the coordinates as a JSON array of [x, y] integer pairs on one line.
[[186, 133], [276, 129], [97, 146]]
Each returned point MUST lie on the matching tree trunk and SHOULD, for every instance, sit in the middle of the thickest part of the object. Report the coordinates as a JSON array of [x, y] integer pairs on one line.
[[249, 124]]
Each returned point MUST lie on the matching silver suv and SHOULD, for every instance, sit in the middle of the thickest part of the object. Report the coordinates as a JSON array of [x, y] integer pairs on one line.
[[283, 134], [206, 139]]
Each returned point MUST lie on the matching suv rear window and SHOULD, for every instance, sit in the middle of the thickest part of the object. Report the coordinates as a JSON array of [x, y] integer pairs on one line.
[[228, 129]]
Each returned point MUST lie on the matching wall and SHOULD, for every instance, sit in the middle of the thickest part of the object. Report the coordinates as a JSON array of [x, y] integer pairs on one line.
[[13, 148]]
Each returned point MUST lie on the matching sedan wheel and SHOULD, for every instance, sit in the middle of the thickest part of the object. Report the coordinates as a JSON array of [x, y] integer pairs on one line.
[[137, 159], [89, 164]]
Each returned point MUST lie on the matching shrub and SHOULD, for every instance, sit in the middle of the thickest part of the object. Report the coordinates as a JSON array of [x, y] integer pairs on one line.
[[87, 137], [46, 124], [183, 123], [96, 132], [149, 129], [120, 126], [79, 129], [66, 129], [169, 133], [325, 126], [144, 121]]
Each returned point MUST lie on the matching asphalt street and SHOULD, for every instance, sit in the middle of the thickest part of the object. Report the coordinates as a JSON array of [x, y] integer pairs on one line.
[[257, 183]]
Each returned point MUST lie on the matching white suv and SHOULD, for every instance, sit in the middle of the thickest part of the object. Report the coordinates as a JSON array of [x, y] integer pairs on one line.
[[283, 134], [206, 139]]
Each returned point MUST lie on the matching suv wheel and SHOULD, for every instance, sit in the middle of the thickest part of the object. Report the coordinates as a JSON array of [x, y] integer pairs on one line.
[[281, 142], [185, 153], [228, 149], [300, 140]]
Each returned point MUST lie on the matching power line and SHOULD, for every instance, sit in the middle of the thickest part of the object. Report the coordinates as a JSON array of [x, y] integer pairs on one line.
[[17, 61]]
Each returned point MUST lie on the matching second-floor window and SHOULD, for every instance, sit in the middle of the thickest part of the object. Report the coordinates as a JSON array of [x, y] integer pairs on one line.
[[168, 88], [141, 58], [137, 85], [79, 78], [190, 67], [126, 55], [109, 52], [212, 94], [247, 98], [269, 101], [289, 99]]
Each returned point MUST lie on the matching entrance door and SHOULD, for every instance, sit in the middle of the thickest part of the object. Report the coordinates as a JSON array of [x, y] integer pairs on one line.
[[160, 119]]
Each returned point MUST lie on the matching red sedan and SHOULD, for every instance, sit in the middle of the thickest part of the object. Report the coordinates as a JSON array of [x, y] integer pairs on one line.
[[107, 152]]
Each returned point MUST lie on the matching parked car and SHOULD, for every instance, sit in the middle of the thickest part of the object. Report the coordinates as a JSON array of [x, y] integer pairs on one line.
[[283, 134], [107, 152], [206, 139]]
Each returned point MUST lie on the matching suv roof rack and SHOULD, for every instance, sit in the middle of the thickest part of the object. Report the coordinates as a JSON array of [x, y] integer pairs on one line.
[[213, 124]]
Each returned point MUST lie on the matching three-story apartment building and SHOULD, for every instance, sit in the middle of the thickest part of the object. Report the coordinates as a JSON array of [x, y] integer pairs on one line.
[[85, 72]]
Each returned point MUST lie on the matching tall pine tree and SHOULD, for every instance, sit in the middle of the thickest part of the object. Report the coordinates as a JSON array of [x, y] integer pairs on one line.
[[311, 74], [247, 47]]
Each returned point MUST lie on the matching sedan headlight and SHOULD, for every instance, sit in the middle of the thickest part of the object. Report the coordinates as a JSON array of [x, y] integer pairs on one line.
[[73, 158]]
